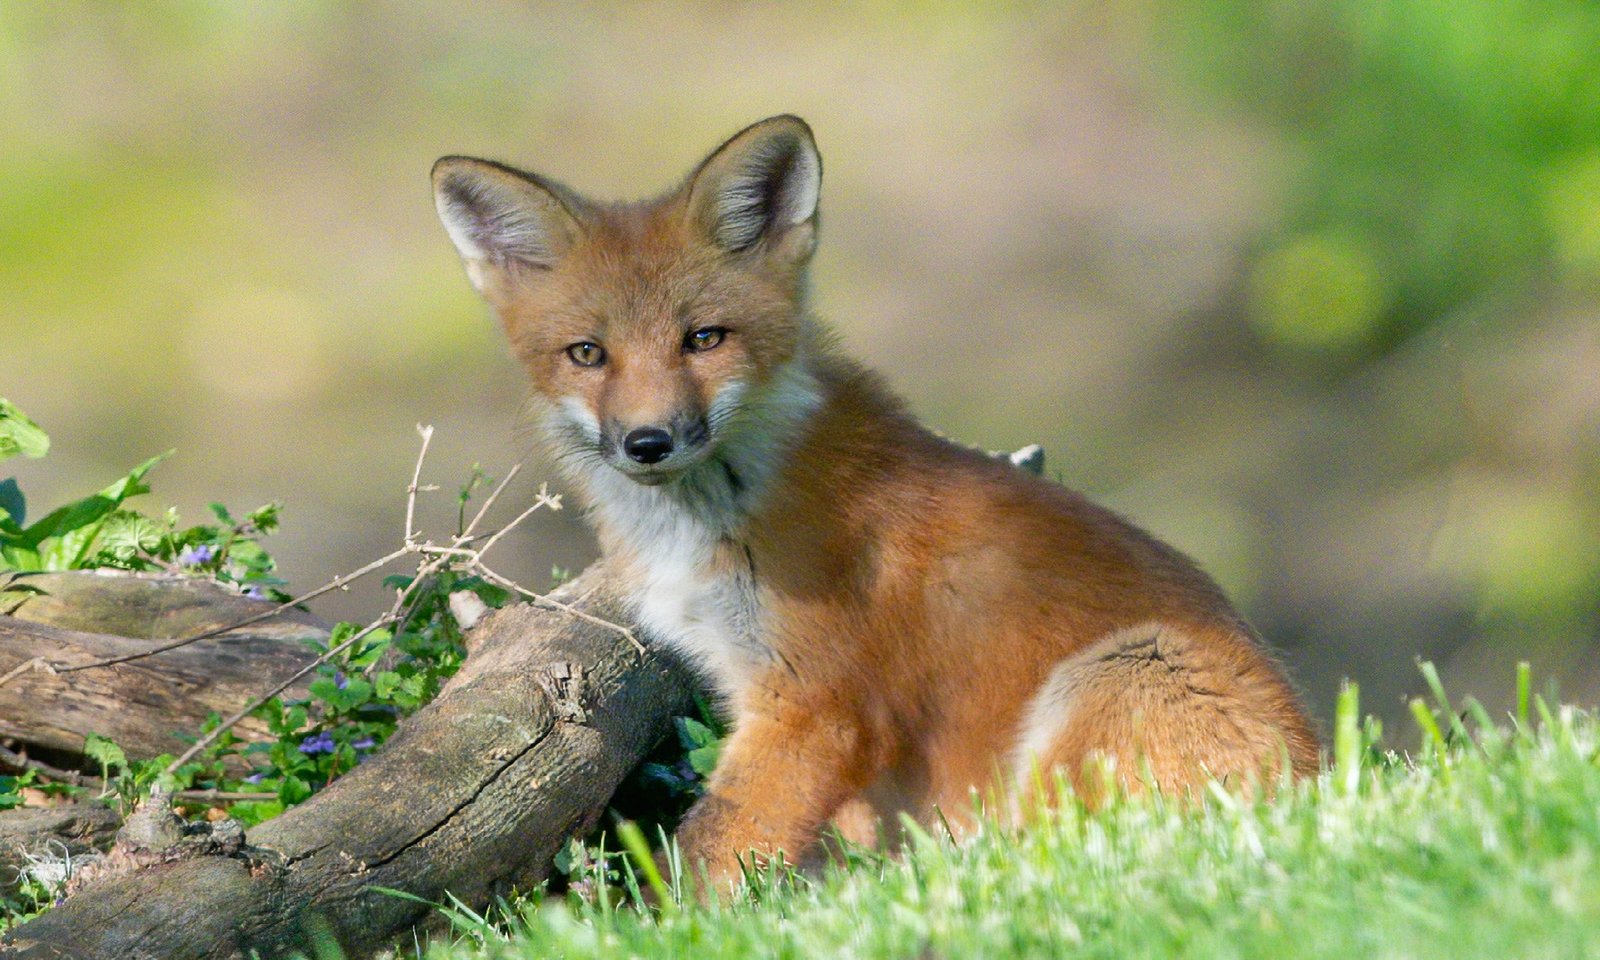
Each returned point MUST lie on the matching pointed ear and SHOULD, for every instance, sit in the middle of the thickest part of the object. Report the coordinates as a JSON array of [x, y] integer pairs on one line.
[[761, 186], [498, 216]]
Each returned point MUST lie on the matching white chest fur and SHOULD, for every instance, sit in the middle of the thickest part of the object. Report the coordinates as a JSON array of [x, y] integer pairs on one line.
[[693, 583], [693, 586]]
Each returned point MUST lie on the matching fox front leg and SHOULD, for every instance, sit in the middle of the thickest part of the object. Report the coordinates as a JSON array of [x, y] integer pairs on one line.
[[782, 774]]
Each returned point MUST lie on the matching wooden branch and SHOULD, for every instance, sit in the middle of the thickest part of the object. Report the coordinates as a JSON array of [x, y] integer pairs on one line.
[[473, 795], [143, 704]]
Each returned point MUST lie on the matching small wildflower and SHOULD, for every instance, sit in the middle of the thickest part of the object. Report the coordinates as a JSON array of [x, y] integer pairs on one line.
[[340, 680], [196, 555], [254, 591], [318, 743], [256, 777], [365, 743]]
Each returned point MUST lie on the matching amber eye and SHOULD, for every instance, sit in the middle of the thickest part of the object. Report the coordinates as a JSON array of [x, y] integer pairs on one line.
[[704, 339], [587, 354]]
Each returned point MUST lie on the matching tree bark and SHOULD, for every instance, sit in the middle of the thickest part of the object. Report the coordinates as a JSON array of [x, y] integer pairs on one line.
[[473, 795], [144, 705], [73, 828]]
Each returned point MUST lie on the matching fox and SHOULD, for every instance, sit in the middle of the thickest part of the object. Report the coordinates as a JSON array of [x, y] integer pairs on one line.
[[890, 620]]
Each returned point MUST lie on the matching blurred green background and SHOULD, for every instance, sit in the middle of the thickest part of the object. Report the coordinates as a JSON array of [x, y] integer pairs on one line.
[[1310, 290]]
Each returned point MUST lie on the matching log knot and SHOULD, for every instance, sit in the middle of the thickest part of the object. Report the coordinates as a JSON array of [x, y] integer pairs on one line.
[[155, 834], [565, 685]]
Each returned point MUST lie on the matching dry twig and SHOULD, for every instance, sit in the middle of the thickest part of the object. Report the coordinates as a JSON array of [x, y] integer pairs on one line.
[[457, 548], [434, 559], [460, 551]]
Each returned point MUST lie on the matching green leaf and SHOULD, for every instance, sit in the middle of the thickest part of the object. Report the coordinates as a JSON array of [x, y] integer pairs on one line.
[[90, 510], [265, 518], [11, 788], [20, 558], [371, 648], [14, 591], [692, 733], [323, 688], [126, 533], [704, 759], [13, 506], [18, 434], [492, 595], [96, 747], [293, 790], [252, 812], [387, 682], [356, 692]]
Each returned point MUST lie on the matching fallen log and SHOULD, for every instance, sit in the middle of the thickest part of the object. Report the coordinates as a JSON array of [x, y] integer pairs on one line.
[[144, 705], [473, 795]]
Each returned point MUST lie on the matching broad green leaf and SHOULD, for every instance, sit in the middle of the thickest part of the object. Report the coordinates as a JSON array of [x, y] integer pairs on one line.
[[20, 558], [356, 692], [14, 591], [96, 747], [18, 434], [293, 790], [387, 682], [704, 759], [692, 733], [92, 509], [265, 518], [126, 533], [13, 506], [252, 812]]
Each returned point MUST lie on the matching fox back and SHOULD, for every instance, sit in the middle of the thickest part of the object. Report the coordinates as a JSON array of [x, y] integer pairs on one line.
[[891, 620]]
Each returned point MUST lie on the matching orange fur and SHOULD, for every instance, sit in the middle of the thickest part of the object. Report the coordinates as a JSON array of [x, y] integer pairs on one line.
[[892, 620]]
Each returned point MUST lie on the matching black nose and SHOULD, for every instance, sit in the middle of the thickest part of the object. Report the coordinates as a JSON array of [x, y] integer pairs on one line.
[[648, 444]]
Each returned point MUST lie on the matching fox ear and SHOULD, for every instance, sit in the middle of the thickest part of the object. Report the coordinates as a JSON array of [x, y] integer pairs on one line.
[[762, 185], [497, 216]]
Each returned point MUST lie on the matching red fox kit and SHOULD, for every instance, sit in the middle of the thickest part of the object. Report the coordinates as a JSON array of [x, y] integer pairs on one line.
[[891, 620]]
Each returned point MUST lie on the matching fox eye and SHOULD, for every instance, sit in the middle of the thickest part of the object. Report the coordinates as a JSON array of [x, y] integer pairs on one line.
[[704, 339], [587, 354]]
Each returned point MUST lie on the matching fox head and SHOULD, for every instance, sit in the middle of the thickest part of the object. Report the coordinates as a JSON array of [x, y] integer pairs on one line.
[[649, 330]]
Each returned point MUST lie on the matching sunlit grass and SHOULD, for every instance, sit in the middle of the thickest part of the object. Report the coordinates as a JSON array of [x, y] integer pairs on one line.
[[1486, 844]]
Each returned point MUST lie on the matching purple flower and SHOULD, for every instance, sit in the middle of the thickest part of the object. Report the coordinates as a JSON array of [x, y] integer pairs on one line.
[[256, 777], [340, 680], [319, 743], [254, 592], [196, 555], [365, 743]]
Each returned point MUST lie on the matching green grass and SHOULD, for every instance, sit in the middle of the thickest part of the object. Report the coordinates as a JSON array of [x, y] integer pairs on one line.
[[1486, 846]]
